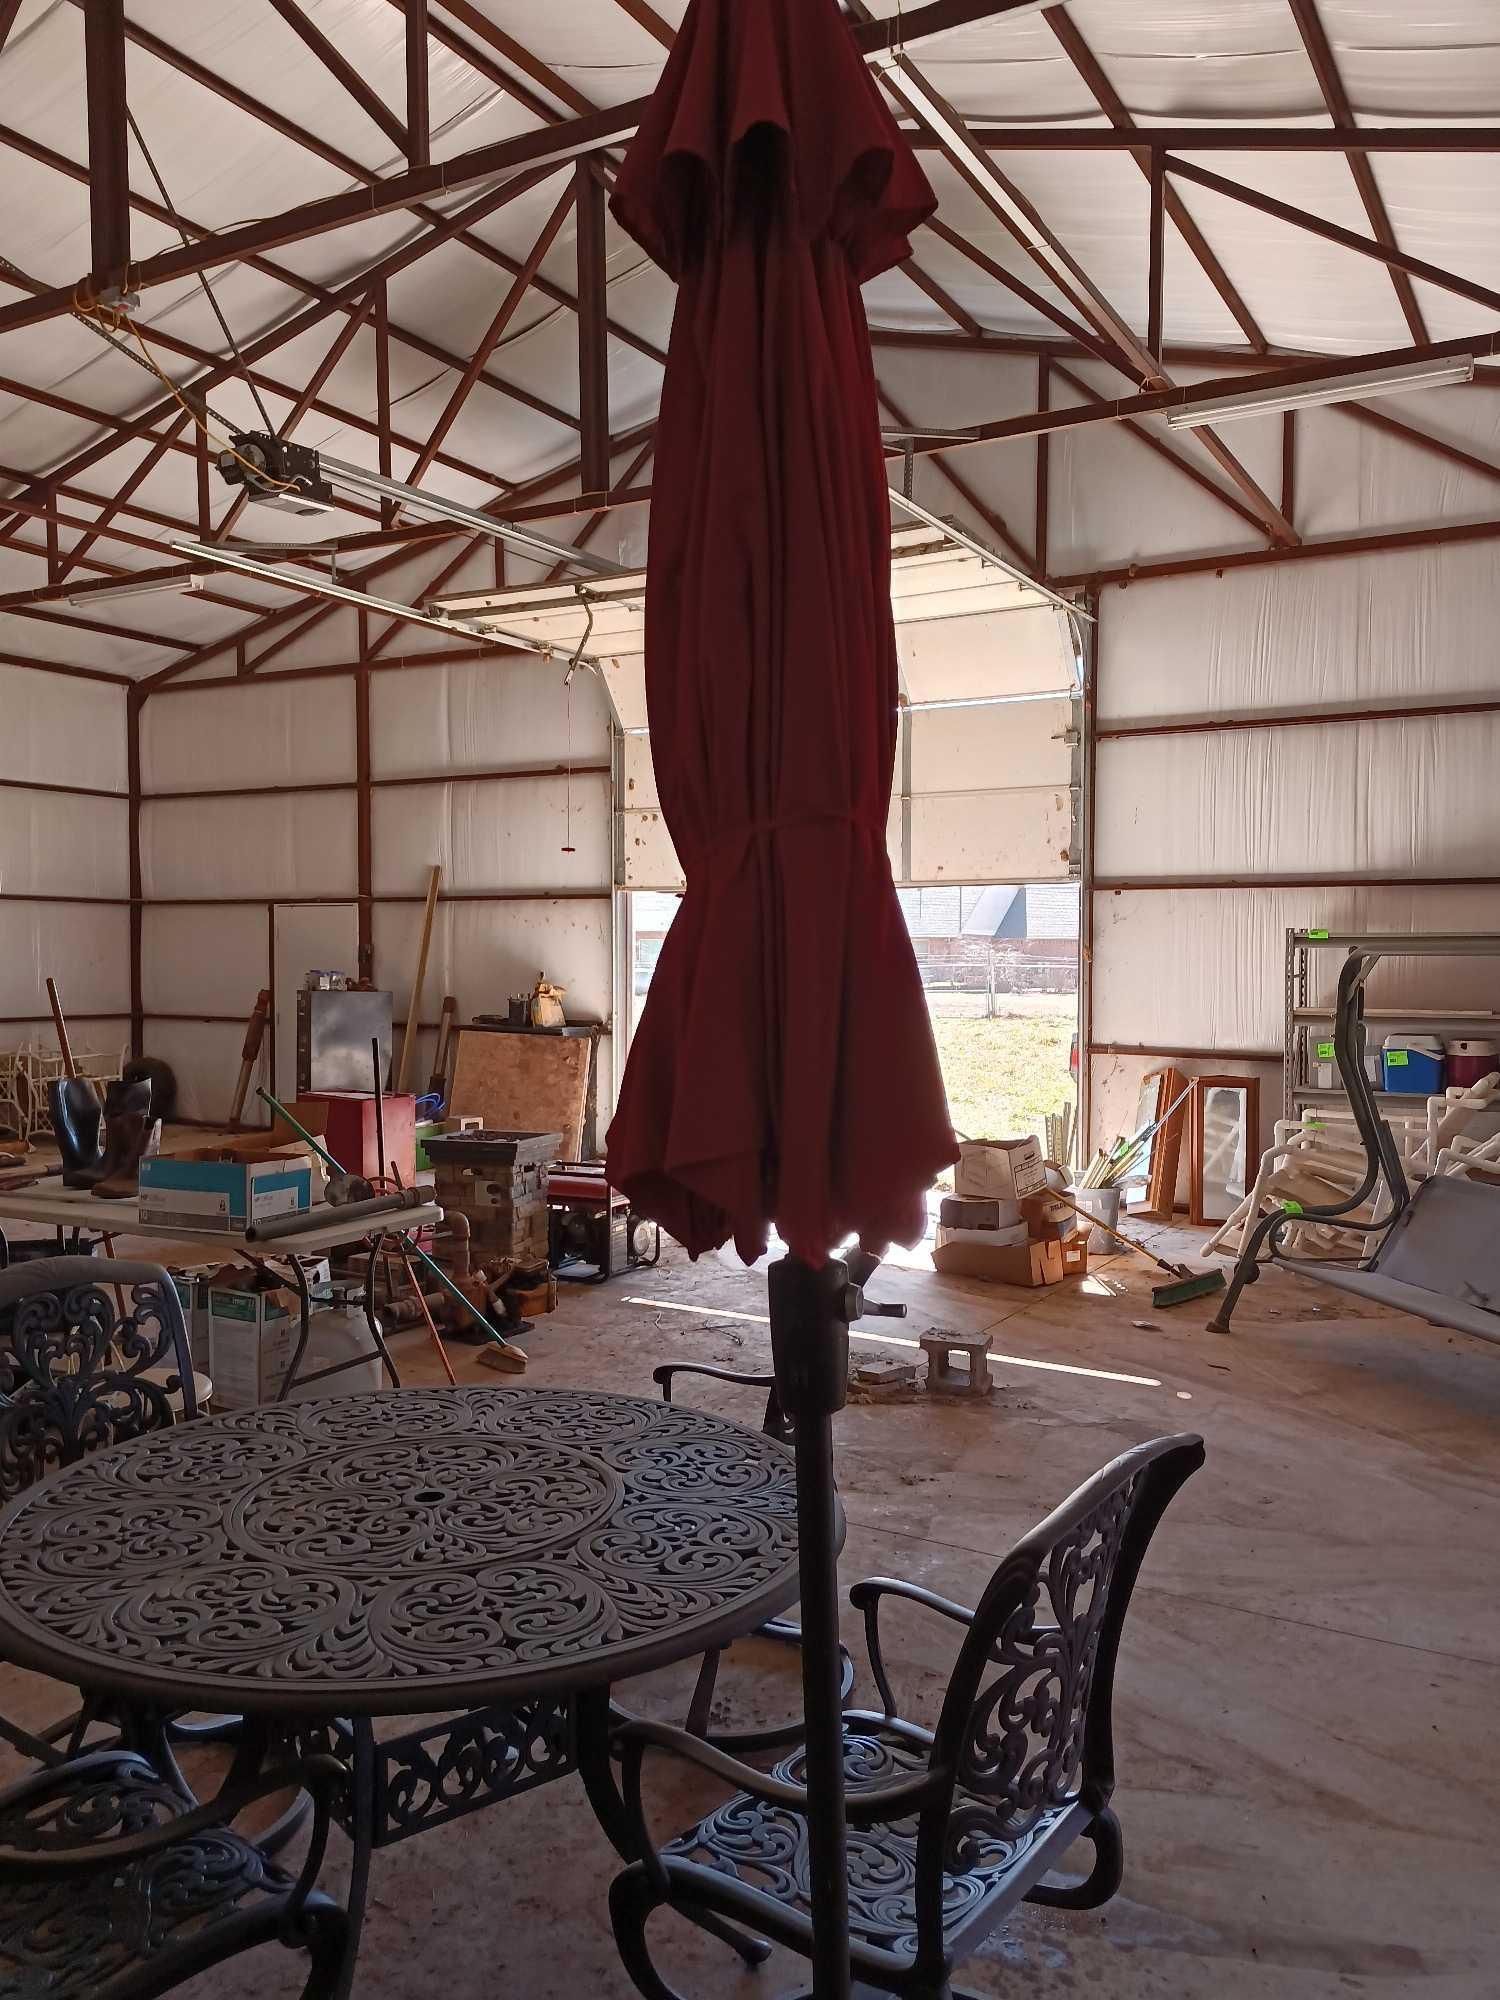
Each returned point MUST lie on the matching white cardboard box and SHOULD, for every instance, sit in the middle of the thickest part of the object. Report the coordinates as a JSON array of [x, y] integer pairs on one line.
[[252, 1337], [1000, 1169]]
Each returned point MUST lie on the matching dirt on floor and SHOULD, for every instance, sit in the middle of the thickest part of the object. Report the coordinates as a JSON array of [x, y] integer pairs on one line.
[[1308, 1688]]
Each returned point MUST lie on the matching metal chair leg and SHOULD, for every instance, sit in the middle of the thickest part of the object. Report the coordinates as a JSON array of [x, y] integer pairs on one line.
[[328, 1944], [633, 1897], [1103, 1880]]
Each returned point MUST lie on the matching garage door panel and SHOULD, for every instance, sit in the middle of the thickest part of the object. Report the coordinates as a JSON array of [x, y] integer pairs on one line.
[[993, 652], [1012, 836], [991, 748]]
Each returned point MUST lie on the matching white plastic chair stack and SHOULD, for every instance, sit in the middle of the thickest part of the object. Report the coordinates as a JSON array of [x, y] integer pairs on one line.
[[1318, 1160]]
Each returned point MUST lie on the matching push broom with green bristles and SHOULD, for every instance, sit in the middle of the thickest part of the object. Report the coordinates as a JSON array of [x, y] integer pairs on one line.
[[1186, 1283]]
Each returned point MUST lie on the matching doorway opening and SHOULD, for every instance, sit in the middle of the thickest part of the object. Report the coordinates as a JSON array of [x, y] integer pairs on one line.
[[999, 965]]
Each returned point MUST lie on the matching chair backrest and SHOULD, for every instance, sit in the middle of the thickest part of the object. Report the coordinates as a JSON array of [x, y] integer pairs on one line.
[[75, 1369], [1026, 1722]]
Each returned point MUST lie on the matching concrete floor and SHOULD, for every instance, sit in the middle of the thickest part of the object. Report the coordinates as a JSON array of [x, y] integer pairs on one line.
[[1309, 1689]]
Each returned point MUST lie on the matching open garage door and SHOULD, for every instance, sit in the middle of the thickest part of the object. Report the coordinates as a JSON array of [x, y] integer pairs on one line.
[[984, 832], [989, 760]]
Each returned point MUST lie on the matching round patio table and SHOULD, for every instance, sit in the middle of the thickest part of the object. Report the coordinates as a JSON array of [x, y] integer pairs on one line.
[[498, 1557]]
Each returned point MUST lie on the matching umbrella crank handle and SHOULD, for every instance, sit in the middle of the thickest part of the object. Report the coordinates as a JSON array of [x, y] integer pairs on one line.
[[854, 1305]]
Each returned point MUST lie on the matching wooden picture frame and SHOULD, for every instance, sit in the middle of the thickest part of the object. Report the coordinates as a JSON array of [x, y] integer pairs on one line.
[[1207, 1139], [1163, 1087]]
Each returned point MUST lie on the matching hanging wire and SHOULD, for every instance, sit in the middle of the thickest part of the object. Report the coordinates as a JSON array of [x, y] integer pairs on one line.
[[573, 666], [208, 290]]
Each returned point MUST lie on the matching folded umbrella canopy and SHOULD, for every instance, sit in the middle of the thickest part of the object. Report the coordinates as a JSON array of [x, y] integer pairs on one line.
[[784, 1069]]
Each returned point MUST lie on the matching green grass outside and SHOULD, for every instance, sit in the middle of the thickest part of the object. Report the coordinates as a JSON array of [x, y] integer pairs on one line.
[[1005, 1075]]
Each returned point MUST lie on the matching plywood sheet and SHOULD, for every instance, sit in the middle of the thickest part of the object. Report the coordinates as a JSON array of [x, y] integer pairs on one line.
[[523, 1083]]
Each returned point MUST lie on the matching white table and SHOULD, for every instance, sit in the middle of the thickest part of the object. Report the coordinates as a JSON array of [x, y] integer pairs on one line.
[[49, 1203]]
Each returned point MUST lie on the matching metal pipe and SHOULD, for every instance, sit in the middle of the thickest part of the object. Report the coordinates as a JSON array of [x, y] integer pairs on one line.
[[810, 1346]]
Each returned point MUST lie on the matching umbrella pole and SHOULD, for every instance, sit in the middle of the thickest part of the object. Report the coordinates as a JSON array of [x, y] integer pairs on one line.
[[810, 1312]]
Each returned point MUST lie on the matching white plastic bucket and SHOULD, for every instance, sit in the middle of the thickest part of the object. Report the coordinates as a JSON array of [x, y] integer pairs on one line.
[[1103, 1204]]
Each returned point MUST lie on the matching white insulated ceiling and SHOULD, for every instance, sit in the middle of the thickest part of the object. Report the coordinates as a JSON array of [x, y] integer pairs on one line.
[[1219, 62]]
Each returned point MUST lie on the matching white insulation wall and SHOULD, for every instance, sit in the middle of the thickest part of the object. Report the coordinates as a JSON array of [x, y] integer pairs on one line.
[[59, 731], [1285, 811], [525, 859]]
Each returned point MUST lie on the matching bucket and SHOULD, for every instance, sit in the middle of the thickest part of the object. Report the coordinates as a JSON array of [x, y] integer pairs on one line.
[[1470, 1062], [1103, 1204]]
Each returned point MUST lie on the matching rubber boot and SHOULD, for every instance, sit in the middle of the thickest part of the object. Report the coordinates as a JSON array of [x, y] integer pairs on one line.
[[127, 1131], [77, 1118]]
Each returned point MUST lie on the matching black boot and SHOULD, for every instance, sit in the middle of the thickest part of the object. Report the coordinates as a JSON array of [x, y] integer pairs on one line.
[[77, 1120], [127, 1128]]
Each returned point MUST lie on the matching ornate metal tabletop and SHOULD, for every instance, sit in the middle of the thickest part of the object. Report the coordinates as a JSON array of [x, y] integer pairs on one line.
[[402, 1552]]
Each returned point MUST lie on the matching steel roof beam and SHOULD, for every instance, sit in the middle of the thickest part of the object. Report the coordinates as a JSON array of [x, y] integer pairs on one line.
[[1331, 232], [298, 135], [1331, 84], [1112, 105], [342, 71], [551, 146], [346, 297]]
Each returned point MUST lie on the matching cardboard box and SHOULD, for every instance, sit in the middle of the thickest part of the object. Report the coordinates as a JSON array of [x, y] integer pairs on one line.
[[191, 1286], [1000, 1169], [975, 1254], [962, 1212], [1047, 1218], [252, 1337], [193, 1192]]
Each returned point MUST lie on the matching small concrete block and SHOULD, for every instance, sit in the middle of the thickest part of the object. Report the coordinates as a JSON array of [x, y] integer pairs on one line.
[[886, 1374], [943, 1378]]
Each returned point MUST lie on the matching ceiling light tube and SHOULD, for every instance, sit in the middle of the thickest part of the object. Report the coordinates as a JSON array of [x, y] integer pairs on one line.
[[1310, 395], [342, 593], [157, 586]]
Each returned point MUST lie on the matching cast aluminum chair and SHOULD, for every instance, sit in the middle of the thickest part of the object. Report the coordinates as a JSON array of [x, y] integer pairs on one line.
[[80, 1370], [784, 1631], [114, 1885], [950, 1829]]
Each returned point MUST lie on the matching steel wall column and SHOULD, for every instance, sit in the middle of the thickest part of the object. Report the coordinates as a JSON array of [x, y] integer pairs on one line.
[[109, 158], [365, 887], [593, 353], [418, 130], [134, 700]]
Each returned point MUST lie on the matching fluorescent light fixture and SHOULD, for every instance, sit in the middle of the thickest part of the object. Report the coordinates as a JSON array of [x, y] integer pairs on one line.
[[152, 586], [538, 548], [1309, 395], [315, 585], [962, 539]]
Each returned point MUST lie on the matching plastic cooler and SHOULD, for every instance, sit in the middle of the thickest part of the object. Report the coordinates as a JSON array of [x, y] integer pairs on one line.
[[1412, 1065]]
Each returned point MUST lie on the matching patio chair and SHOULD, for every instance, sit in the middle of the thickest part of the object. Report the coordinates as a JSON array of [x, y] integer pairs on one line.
[[950, 1829], [78, 1370], [784, 1631], [114, 1885]]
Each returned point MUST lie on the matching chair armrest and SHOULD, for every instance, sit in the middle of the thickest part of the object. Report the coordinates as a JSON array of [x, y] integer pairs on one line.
[[870, 1805], [323, 1776], [663, 1376], [866, 1597]]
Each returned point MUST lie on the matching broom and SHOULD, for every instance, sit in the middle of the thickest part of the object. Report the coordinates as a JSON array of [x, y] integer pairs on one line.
[[1186, 1283]]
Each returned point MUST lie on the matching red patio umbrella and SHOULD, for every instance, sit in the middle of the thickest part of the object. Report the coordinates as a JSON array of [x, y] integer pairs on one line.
[[784, 1069]]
